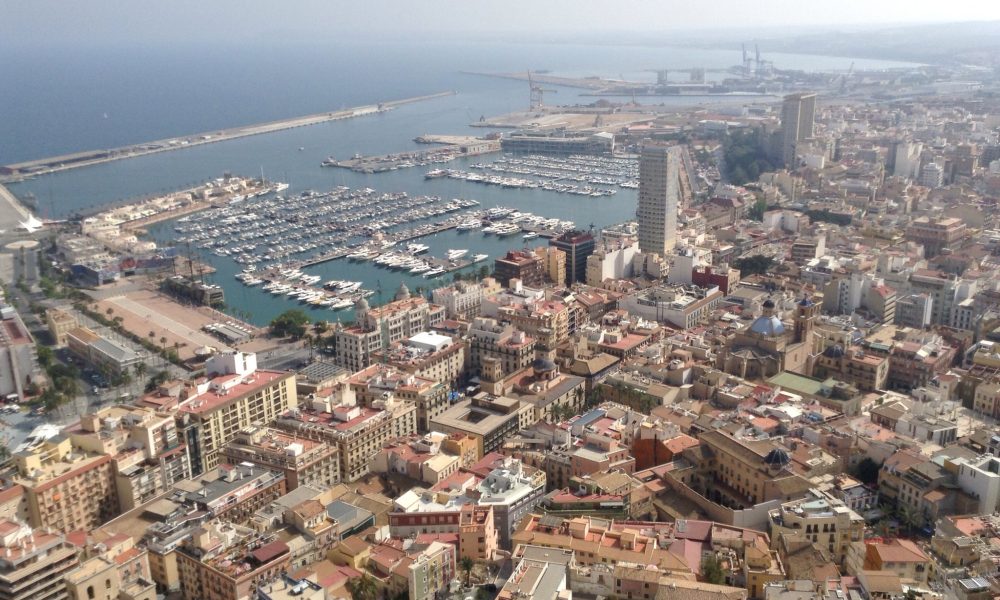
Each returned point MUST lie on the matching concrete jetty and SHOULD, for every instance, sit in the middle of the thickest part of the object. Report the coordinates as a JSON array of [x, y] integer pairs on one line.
[[42, 166]]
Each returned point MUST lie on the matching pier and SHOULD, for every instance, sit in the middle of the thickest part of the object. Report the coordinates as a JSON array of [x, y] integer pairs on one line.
[[23, 170], [455, 147]]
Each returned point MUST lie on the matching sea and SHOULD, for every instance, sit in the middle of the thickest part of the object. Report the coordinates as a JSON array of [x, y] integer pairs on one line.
[[59, 100]]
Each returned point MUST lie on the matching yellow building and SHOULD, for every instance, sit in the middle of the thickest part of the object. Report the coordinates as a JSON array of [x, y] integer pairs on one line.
[[237, 396], [60, 322], [66, 489]]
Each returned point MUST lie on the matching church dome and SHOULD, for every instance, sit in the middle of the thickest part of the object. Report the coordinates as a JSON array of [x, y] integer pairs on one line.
[[543, 365], [768, 325], [361, 304], [768, 303], [777, 458], [834, 351]]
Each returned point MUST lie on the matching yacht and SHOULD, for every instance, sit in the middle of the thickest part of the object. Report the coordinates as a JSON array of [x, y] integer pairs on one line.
[[280, 186], [417, 248], [434, 272], [480, 257], [503, 229], [456, 254], [530, 235]]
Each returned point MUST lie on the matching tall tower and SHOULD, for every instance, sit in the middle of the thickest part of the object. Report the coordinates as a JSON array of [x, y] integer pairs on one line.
[[798, 114], [659, 195], [805, 317]]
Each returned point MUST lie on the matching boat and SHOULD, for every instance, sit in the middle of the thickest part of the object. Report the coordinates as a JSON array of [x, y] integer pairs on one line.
[[434, 272], [417, 248], [480, 257], [342, 304], [435, 174], [469, 225], [530, 235], [456, 254], [280, 186], [503, 229], [420, 269]]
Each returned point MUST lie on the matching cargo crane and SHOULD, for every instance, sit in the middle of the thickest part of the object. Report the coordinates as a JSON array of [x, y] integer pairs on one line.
[[537, 92]]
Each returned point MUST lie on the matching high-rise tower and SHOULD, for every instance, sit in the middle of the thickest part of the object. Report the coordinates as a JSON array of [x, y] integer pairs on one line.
[[659, 194], [798, 113]]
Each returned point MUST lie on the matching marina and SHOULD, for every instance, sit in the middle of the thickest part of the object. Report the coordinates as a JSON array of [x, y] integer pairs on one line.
[[417, 158]]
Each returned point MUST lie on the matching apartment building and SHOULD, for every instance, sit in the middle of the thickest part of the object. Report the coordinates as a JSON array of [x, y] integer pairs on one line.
[[34, 564], [66, 489], [235, 492], [379, 327], [429, 396], [147, 452], [302, 461], [228, 562], [821, 519], [488, 338], [429, 355], [357, 431], [464, 300], [234, 396]]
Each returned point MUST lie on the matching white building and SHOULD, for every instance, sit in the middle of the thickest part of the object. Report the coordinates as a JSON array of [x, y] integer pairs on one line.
[[981, 478], [613, 261], [908, 160]]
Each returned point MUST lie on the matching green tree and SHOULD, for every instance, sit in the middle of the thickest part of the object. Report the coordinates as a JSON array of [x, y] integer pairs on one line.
[[291, 323], [745, 158], [45, 355], [756, 212], [757, 264], [467, 564], [867, 471], [362, 588], [711, 569]]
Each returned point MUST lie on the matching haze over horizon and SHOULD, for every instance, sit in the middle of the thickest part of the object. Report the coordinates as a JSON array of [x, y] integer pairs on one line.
[[47, 22]]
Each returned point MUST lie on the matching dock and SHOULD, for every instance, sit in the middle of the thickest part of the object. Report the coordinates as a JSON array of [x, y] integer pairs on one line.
[[24, 170], [455, 147]]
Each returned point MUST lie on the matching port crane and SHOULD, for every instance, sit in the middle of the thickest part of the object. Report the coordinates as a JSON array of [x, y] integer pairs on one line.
[[537, 93]]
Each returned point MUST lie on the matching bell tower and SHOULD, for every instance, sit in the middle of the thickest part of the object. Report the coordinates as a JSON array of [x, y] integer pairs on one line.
[[806, 312]]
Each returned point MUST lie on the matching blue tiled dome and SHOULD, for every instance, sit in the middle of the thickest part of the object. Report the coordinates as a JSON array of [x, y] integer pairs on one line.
[[768, 326]]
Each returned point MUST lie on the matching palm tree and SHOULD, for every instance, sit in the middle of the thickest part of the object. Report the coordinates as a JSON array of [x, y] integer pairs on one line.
[[467, 564], [362, 588]]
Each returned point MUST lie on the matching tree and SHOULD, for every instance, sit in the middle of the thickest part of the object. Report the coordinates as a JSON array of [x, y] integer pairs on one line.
[[140, 370], [756, 211], [467, 563], [45, 355], [290, 323], [745, 158], [867, 471], [362, 588], [711, 569], [757, 264]]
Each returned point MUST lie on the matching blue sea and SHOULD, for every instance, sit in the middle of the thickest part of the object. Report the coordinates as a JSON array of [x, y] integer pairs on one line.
[[58, 100]]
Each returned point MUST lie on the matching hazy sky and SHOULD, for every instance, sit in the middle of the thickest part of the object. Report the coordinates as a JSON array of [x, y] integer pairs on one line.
[[46, 21]]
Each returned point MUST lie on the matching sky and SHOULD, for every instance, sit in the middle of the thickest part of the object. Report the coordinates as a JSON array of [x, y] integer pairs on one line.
[[54, 22]]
